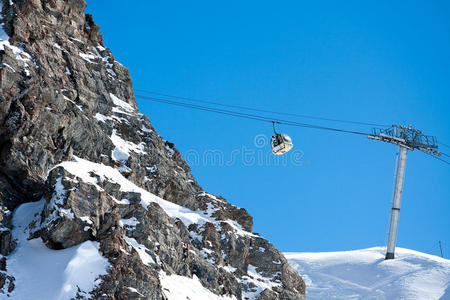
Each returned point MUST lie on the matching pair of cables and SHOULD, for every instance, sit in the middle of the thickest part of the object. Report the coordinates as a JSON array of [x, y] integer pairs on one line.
[[255, 114]]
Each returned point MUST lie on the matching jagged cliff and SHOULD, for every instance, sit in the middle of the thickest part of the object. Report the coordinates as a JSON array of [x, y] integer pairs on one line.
[[94, 173]]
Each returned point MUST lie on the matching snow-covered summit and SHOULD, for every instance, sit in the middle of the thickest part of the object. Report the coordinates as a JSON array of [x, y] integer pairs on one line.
[[364, 274]]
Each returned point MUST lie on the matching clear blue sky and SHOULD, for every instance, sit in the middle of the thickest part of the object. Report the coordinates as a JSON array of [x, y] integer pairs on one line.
[[377, 61]]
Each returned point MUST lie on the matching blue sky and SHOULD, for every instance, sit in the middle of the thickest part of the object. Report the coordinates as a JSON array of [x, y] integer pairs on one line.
[[380, 62]]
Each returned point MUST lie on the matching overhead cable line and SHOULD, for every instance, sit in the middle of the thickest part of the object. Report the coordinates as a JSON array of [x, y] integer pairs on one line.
[[246, 115], [445, 154], [441, 143], [438, 158], [260, 110], [260, 118]]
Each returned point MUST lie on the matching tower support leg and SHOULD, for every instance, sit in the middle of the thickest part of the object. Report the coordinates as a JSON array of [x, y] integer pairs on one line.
[[399, 180]]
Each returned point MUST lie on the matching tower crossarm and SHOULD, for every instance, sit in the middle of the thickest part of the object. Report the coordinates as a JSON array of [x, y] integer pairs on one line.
[[407, 137]]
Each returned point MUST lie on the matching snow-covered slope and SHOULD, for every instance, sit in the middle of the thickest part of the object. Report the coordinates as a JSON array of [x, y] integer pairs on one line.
[[364, 274], [43, 273]]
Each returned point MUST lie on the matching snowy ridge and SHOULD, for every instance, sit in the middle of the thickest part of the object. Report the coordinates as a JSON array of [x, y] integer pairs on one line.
[[364, 274], [85, 169]]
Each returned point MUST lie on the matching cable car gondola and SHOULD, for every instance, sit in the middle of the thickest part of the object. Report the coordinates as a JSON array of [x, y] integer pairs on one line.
[[281, 143]]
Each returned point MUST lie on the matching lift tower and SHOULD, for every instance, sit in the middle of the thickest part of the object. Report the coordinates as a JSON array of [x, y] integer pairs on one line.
[[407, 138]]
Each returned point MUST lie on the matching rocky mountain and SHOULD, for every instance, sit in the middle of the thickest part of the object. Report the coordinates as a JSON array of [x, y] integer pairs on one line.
[[94, 203]]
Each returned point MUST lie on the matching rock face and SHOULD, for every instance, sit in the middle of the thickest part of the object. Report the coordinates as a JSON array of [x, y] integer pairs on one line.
[[71, 135]]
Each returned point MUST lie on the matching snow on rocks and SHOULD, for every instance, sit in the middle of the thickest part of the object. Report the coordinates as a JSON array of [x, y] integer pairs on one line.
[[205, 194], [123, 148], [99, 176], [88, 57], [135, 291], [85, 170], [121, 106], [229, 268], [141, 250], [129, 223], [3, 35], [80, 108], [19, 54], [42, 273], [145, 129], [94, 57], [208, 255], [170, 151], [364, 274], [101, 118], [56, 204], [257, 283], [152, 169], [177, 287], [104, 119]]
